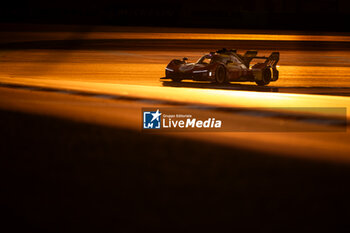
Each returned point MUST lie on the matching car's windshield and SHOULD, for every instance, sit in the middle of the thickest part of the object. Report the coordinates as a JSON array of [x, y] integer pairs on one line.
[[206, 59]]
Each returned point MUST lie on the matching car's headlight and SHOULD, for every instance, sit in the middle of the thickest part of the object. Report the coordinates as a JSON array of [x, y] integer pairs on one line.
[[168, 69]]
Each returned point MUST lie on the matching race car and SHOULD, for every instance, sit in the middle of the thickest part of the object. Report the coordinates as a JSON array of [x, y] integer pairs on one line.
[[224, 66]]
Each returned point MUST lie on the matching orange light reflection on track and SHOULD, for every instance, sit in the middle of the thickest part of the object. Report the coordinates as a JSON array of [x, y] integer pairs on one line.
[[219, 98]]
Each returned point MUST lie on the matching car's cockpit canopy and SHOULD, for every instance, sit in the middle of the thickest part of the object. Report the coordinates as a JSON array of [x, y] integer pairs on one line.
[[212, 58], [206, 59]]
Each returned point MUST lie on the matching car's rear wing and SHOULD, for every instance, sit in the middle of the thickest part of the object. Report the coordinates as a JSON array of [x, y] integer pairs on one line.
[[271, 60]]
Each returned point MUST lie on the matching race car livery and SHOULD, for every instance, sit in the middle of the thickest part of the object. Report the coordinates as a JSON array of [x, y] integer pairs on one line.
[[224, 66]]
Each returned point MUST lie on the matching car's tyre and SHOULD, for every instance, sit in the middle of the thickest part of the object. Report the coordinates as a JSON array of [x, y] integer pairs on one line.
[[266, 77], [220, 75]]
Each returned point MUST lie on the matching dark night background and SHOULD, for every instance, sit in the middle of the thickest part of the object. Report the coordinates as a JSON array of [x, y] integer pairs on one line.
[[311, 15], [67, 176]]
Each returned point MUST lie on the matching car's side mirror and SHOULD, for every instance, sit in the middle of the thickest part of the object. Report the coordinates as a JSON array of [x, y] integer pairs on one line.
[[185, 59]]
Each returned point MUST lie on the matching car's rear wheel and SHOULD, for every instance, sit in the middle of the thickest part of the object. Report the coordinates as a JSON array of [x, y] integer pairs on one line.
[[266, 77], [220, 75]]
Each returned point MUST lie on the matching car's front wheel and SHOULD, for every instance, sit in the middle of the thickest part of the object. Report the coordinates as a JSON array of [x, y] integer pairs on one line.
[[220, 75]]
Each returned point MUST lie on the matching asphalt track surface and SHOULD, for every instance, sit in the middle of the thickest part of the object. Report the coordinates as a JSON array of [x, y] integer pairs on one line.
[[77, 96]]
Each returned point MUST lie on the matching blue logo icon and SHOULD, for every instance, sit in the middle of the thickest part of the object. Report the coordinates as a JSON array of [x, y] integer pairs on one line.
[[151, 120]]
